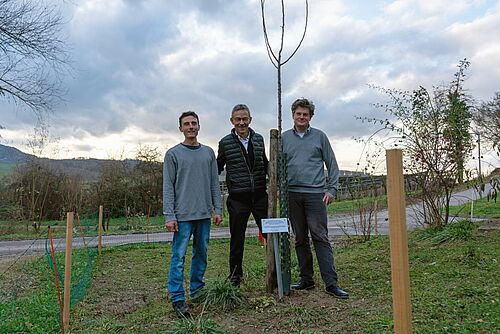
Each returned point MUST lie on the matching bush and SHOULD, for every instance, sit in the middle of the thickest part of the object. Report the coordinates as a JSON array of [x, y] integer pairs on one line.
[[462, 230], [220, 294]]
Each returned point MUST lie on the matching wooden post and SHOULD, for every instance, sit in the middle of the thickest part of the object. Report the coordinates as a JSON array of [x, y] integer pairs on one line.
[[271, 282], [401, 300], [99, 233], [149, 222], [67, 269], [375, 209]]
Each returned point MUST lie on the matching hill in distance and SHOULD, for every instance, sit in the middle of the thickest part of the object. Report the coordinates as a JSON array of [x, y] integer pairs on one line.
[[88, 169]]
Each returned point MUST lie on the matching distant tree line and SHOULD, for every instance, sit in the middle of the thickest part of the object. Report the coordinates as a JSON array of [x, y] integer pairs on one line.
[[35, 191]]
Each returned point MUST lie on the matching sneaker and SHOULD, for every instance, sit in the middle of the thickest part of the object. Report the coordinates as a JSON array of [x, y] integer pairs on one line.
[[181, 308], [334, 290]]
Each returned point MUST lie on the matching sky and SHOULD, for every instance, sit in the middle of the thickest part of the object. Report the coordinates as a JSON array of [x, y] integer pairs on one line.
[[137, 65]]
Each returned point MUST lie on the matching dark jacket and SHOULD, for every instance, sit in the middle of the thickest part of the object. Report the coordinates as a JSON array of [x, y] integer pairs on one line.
[[245, 172]]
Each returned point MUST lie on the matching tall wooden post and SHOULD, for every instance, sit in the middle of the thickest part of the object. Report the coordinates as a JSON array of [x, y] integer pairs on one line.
[[271, 282], [99, 233], [67, 269], [401, 300]]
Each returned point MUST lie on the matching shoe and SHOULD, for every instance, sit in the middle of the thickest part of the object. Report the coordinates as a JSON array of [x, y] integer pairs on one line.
[[303, 285], [334, 290], [198, 294], [235, 281], [181, 308]]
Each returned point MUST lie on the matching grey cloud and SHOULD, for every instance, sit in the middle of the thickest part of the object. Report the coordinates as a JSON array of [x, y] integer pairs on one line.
[[119, 80]]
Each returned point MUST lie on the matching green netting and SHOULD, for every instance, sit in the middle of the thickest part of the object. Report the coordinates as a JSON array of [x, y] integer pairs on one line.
[[284, 241], [83, 259]]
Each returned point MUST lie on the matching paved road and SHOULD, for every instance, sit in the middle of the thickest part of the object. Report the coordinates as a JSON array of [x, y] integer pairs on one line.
[[339, 224]]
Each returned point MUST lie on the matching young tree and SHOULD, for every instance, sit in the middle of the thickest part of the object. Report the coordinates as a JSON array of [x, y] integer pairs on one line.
[[433, 128], [32, 53], [278, 60]]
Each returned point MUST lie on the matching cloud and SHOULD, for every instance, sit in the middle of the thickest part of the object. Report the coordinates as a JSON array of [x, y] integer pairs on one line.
[[139, 64]]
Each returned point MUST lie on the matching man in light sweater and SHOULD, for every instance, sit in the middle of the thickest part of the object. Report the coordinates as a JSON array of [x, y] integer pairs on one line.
[[308, 150], [190, 194]]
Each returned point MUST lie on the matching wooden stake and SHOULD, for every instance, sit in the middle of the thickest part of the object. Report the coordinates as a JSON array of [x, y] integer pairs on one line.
[[99, 233], [271, 282], [67, 269], [401, 300], [148, 227]]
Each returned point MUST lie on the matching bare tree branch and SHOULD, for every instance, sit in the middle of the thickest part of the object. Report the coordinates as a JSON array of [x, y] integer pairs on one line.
[[276, 59], [303, 35], [270, 53], [32, 54]]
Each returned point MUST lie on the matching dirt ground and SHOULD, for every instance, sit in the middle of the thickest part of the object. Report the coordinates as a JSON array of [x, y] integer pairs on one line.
[[492, 224]]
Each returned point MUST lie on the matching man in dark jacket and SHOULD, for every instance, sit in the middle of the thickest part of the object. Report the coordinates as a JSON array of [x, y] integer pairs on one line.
[[243, 154]]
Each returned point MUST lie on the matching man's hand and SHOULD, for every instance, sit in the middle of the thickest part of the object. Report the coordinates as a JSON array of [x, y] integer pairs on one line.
[[328, 198], [217, 219], [172, 226]]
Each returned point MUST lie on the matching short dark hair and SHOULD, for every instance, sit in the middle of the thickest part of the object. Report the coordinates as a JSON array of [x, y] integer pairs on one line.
[[304, 103], [186, 114], [240, 107]]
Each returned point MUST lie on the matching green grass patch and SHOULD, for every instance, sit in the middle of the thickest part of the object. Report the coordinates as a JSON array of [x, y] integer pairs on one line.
[[462, 230], [479, 208], [455, 289], [353, 205], [18, 230], [28, 302], [219, 293]]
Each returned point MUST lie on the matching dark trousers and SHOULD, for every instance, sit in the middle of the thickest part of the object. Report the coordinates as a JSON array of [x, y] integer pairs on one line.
[[307, 214], [240, 206]]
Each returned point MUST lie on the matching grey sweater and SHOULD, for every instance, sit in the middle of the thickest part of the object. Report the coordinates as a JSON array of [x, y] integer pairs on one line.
[[190, 184], [306, 158]]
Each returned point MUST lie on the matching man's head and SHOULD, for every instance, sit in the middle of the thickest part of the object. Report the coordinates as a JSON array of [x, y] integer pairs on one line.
[[302, 112], [241, 119], [304, 103], [189, 124]]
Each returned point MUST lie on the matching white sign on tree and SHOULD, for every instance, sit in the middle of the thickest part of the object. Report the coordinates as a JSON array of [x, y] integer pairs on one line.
[[275, 225]]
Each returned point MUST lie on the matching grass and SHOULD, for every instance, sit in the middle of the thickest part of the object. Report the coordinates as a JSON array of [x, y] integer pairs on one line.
[[455, 289], [17, 230], [346, 206], [480, 208], [219, 293], [456, 231], [28, 302]]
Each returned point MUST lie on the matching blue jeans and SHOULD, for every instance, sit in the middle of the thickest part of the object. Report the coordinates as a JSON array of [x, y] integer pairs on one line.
[[200, 229]]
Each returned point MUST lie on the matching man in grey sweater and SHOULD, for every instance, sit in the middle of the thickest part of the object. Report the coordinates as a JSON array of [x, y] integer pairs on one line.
[[190, 193], [308, 150]]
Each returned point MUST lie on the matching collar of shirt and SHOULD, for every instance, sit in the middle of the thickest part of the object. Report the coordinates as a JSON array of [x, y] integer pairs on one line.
[[301, 134], [244, 141]]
